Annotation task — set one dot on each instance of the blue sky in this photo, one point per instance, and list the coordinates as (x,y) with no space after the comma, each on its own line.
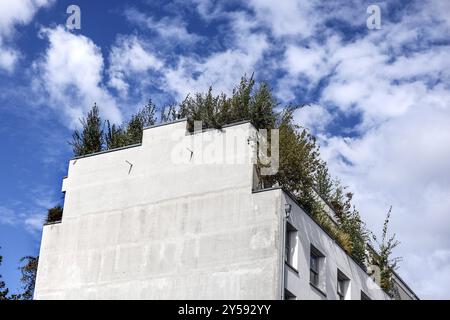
(380,101)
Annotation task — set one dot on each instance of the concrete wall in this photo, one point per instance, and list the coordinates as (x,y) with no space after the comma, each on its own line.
(148,222)
(155,222)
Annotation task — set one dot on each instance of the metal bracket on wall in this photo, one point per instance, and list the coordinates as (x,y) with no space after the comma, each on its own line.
(192,153)
(131,166)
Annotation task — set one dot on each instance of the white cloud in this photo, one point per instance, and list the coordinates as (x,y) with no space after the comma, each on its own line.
(7,216)
(8,58)
(366,80)
(127,58)
(305,65)
(169,29)
(313,117)
(436,266)
(18,12)
(221,69)
(13,13)
(33,223)
(30,213)
(285,18)
(189,73)
(307,61)
(71,74)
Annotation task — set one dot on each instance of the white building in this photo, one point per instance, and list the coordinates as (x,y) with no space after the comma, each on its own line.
(156,221)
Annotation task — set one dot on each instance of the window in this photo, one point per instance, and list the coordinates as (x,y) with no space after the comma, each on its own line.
(314,270)
(291,246)
(288,243)
(288,295)
(314,266)
(342,285)
(364,296)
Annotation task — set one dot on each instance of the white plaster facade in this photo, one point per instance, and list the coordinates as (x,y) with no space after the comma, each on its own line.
(152,222)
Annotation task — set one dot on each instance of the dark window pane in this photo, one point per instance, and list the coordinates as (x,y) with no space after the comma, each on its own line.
(364,296)
(340,286)
(314,278)
(314,263)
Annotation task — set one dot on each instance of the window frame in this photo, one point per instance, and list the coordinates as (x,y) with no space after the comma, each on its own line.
(365,296)
(314,272)
(314,267)
(289,247)
(289,295)
(342,285)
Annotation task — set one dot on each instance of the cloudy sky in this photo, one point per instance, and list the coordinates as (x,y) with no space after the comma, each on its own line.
(380,99)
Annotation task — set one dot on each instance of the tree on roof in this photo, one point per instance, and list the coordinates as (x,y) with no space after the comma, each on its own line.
(383,257)
(90,139)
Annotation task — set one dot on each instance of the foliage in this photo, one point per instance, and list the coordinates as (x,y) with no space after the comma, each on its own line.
(93,138)
(322,181)
(28,279)
(54,214)
(143,118)
(169,113)
(299,158)
(115,136)
(245,103)
(3,289)
(352,225)
(383,259)
(320,215)
(90,139)
(350,222)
